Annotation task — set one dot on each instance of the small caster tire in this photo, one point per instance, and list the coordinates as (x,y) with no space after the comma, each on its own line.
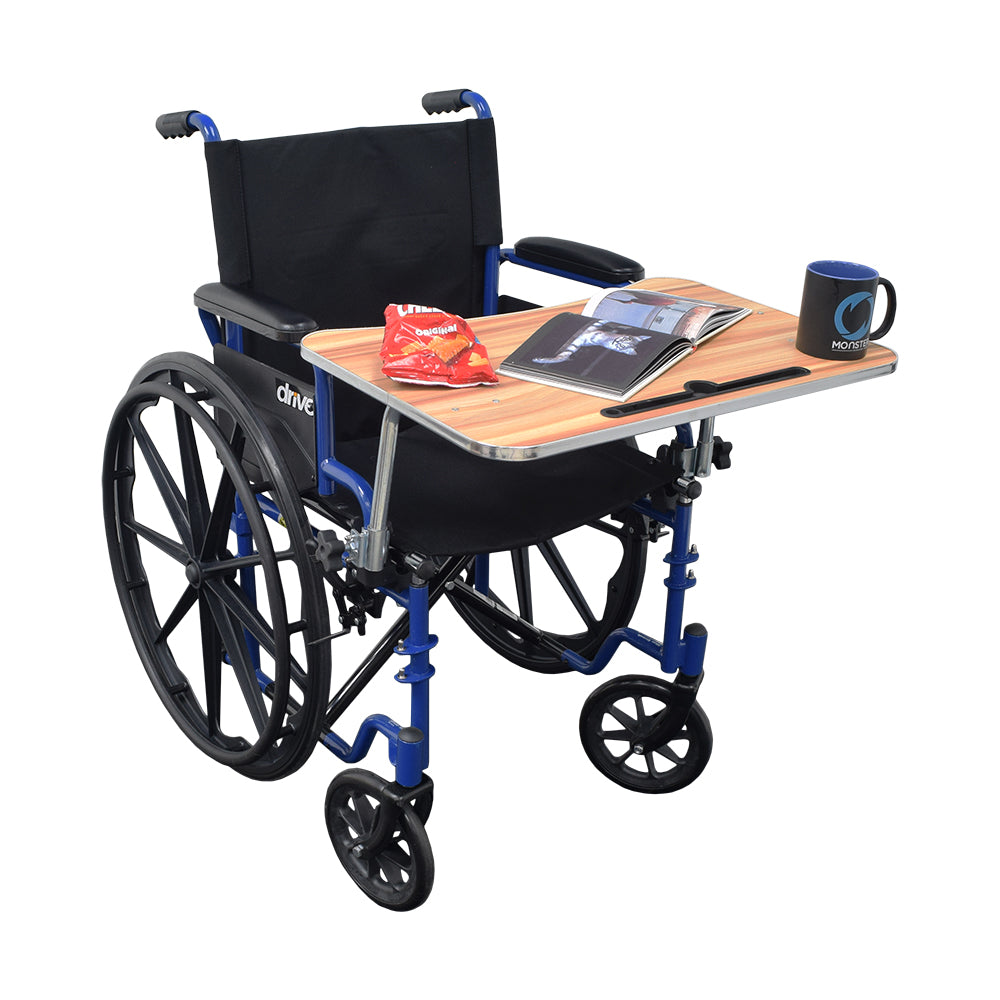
(615,716)
(400,875)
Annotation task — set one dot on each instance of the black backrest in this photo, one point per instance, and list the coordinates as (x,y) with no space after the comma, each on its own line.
(339,224)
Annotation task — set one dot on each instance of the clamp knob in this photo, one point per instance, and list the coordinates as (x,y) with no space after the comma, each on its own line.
(328,551)
(720,453)
(690,489)
(423,568)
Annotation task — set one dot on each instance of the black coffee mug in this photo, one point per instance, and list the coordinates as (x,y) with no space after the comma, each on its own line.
(838,303)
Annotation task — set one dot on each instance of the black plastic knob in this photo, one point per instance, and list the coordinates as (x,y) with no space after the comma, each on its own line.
(689,488)
(423,568)
(328,551)
(720,453)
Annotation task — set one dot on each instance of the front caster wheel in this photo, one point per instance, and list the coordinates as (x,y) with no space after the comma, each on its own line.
(615,719)
(395,869)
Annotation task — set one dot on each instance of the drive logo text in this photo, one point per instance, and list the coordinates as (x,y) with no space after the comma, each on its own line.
(293,397)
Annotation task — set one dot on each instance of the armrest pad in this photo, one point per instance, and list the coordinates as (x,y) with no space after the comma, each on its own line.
(579,258)
(255,312)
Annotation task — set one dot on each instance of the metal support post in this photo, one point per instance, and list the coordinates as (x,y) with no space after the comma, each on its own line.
(376,540)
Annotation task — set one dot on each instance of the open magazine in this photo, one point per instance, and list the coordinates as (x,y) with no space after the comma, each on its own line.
(624,339)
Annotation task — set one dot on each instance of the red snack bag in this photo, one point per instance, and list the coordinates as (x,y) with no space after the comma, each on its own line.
(432,347)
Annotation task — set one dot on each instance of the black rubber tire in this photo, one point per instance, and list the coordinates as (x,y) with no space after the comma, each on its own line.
(623,589)
(208,408)
(663,769)
(401,876)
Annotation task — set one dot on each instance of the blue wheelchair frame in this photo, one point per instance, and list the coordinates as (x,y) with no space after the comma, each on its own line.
(680,652)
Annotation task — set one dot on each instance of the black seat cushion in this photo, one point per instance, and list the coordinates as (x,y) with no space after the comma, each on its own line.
(447,501)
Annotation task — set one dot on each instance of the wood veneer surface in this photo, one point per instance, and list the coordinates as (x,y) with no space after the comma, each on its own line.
(515,416)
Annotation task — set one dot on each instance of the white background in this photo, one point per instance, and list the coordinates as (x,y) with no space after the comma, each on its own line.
(842,842)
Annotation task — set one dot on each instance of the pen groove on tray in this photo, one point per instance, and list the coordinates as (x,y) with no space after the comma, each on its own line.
(702,389)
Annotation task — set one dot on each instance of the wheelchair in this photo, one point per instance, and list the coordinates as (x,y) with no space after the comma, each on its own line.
(250,526)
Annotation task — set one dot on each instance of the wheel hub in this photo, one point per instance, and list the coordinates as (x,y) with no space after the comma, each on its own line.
(193,573)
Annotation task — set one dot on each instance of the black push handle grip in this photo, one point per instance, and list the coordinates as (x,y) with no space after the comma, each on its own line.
(443,101)
(175,125)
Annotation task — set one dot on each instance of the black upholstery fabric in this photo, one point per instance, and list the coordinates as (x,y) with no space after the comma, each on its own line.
(339,224)
(447,501)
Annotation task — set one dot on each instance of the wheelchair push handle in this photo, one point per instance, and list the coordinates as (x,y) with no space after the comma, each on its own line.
(174,125)
(180,124)
(442,101)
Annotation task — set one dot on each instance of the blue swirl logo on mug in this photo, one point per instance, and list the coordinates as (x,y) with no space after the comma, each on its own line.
(850,303)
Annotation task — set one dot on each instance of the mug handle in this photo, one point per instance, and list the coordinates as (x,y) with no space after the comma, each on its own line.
(890,310)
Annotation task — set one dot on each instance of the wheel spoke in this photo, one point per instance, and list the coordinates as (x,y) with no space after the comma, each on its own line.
(561,572)
(350,820)
(522,583)
(217,529)
(173,549)
(619,716)
(194,478)
(669,753)
(188,600)
(248,616)
(171,495)
(240,660)
(394,861)
(211,651)
(617,734)
(222,566)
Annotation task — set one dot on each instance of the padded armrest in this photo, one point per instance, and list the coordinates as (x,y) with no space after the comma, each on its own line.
(255,312)
(579,258)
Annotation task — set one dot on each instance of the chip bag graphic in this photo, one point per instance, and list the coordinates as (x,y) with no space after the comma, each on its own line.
(431,347)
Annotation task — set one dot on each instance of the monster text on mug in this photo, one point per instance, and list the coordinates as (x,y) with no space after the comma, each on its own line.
(838,305)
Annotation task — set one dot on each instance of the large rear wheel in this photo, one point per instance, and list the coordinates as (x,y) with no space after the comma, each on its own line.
(573,591)
(211,554)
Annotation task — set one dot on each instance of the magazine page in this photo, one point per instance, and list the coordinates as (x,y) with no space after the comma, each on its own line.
(593,355)
(689,318)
